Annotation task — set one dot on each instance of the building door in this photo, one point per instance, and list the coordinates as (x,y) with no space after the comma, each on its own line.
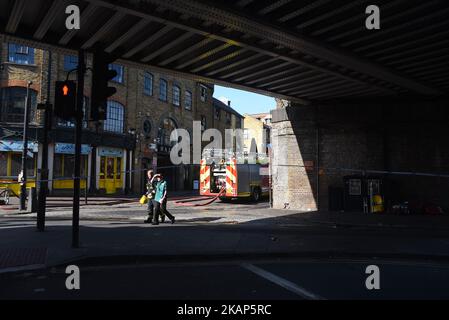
(111,176)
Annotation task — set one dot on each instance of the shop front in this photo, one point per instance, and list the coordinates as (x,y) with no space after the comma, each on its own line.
(64,166)
(11,164)
(111,164)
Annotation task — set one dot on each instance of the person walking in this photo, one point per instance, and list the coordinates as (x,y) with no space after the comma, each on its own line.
(151,190)
(160,200)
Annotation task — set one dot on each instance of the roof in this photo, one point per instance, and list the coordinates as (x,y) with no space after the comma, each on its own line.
(260,115)
(304,51)
(225,107)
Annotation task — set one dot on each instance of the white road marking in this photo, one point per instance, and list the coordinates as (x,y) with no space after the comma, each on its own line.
(282,282)
(39,290)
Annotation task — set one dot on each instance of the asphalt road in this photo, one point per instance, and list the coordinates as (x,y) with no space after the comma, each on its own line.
(238,280)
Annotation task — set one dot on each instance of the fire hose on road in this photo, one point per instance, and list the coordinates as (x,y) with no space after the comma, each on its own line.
(187,204)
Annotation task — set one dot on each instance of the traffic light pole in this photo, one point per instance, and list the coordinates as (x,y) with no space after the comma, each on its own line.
(78,136)
(43,179)
(23,182)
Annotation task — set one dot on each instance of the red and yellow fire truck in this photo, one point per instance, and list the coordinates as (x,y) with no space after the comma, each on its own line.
(228,175)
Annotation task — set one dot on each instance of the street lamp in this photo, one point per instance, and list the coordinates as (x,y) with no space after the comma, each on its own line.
(23,175)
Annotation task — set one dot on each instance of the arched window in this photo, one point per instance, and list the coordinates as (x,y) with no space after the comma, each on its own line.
(12,104)
(115,118)
(163,90)
(167,127)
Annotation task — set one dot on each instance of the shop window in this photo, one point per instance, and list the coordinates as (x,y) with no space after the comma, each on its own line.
(64,166)
(148,84)
(115,117)
(70,62)
(12,104)
(16,165)
(20,54)
(188,100)
(163,90)
(3,164)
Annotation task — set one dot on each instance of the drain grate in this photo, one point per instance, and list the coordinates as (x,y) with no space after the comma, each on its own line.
(11,258)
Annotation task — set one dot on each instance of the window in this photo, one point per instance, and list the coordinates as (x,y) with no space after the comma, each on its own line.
(70,63)
(12,104)
(168,126)
(239,124)
(188,100)
(203,92)
(115,120)
(20,54)
(120,73)
(355,187)
(147,128)
(246,134)
(217,113)
(228,118)
(176,96)
(16,165)
(148,84)
(64,166)
(162,90)
(203,123)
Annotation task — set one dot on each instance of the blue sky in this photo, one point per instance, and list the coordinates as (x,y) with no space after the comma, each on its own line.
(245,102)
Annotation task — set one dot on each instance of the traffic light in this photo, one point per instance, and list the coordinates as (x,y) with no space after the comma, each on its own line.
(100,85)
(65,100)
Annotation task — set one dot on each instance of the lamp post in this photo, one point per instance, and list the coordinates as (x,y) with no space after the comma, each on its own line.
(23,175)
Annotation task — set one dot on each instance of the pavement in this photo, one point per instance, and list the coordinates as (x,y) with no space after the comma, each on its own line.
(258,253)
(222,231)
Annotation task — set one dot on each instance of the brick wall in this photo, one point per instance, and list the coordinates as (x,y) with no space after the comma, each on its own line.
(404,137)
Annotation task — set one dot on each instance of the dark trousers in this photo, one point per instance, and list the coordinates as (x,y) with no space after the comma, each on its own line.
(150,209)
(161,210)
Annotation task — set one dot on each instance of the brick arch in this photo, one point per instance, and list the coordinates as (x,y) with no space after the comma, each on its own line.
(118,99)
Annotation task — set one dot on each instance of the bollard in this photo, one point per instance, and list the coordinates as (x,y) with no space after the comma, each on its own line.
(32,200)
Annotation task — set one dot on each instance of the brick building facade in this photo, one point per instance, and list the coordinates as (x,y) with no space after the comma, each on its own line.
(136,136)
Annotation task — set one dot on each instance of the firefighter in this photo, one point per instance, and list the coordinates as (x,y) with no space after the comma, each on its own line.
(160,200)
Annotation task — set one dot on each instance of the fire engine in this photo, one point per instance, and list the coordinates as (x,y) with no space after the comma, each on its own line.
(227,175)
